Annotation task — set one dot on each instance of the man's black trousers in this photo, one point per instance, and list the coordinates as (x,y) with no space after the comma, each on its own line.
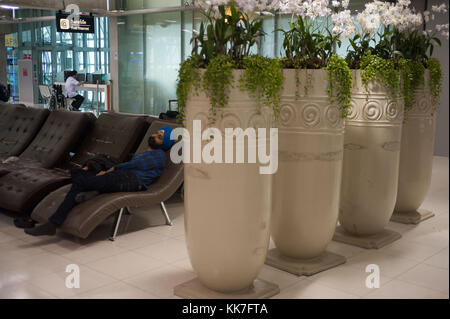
(85,181)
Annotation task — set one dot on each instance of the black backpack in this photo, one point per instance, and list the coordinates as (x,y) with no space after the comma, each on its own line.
(101,162)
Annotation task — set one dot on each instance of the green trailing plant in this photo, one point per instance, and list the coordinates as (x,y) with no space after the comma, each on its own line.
(360,44)
(232,33)
(217,81)
(223,44)
(339,83)
(412,73)
(188,75)
(307,44)
(263,79)
(306,47)
(413,45)
(384,70)
(435,80)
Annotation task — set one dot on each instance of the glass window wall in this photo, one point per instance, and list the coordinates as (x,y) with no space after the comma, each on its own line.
(56,52)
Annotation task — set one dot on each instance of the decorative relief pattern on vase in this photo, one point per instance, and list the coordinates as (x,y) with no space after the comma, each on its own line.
(288,156)
(353,112)
(375,112)
(288,115)
(422,106)
(203,117)
(196,172)
(392,111)
(230,120)
(311,116)
(393,146)
(353,147)
(333,116)
(372,111)
(257,120)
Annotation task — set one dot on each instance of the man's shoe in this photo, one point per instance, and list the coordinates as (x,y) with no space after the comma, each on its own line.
(24,222)
(44,229)
(84,196)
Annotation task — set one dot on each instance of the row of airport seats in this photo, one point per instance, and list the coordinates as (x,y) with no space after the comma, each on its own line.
(39,147)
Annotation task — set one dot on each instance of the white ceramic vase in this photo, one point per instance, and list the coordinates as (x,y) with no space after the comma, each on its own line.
(227,206)
(416,155)
(371,159)
(307,184)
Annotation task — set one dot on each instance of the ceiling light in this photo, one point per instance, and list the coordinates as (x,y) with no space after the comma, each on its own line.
(9,7)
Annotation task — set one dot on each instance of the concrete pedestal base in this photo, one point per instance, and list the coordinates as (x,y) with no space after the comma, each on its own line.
(303,267)
(413,217)
(194,289)
(369,242)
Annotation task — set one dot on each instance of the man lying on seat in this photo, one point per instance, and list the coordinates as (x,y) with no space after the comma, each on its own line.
(133,176)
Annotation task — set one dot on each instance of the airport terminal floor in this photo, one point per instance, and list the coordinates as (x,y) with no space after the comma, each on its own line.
(148,259)
(193,150)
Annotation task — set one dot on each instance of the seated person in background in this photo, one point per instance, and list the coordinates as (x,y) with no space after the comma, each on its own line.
(133,176)
(70,86)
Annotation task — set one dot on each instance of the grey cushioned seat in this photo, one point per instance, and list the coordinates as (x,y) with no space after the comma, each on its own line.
(85,217)
(18,126)
(25,181)
(58,135)
(113,134)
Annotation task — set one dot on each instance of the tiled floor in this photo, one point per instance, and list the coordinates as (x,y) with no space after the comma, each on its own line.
(149,259)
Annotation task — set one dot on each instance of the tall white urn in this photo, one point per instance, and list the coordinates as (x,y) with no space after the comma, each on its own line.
(308,181)
(227,205)
(371,166)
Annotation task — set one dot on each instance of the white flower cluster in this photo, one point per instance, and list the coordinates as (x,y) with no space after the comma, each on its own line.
(443,29)
(401,16)
(380,13)
(440,28)
(439,9)
(370,19)
(376,13)
(247,6)
(305,9)
(343,3)
(343,24)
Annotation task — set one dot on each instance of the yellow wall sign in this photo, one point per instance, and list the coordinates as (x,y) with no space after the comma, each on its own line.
(11,40)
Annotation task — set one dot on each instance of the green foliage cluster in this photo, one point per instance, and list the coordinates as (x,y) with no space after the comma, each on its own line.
(263,79)
(187,76)
(376,68)
(412,73)
(363,43)
(222,45)
(413,45)
(339,83)
(306,46)
(217,81)
(404,52)
(435,79)
(232,34)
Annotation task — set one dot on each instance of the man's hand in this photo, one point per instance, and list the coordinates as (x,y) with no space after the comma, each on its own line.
(103,172)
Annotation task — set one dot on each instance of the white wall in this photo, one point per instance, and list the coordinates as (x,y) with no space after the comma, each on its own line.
(442,133)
